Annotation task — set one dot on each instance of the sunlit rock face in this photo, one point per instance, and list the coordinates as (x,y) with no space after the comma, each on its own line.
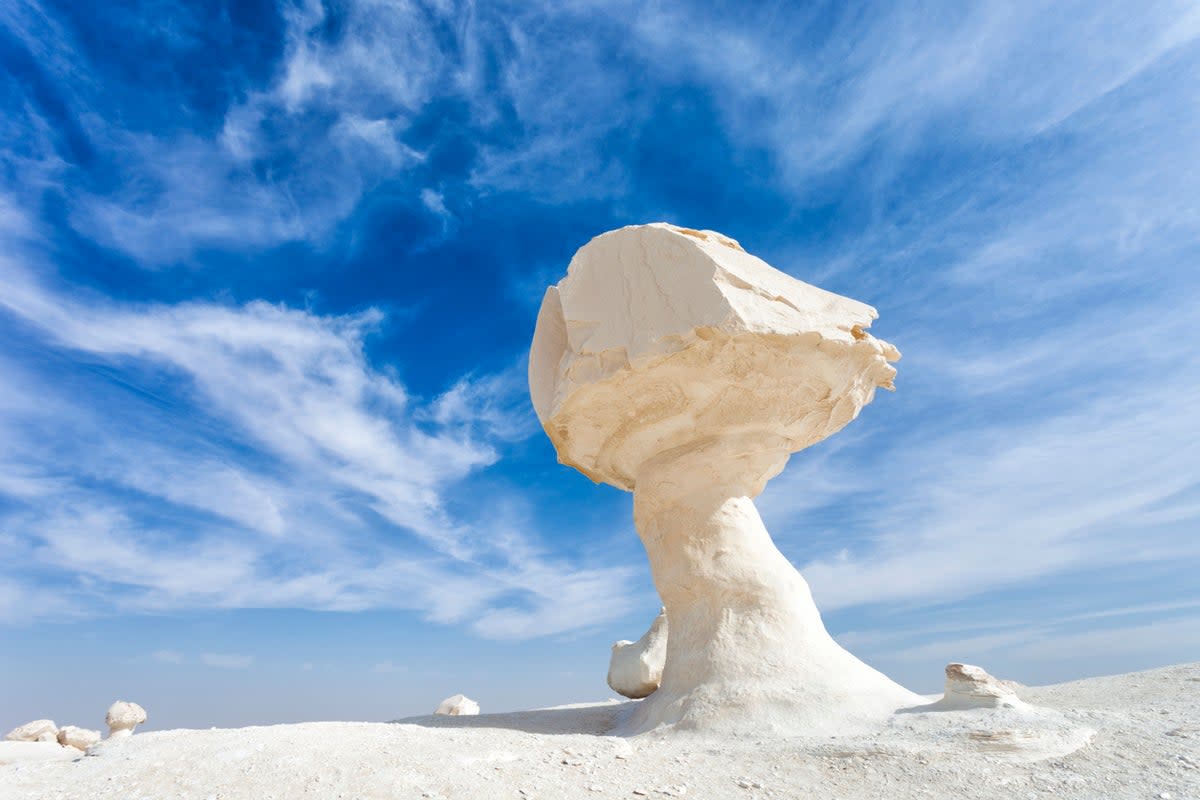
(671,363)
(969,686)
(660,336)
(40,730)
(635,668)
(79,738)
(122,717)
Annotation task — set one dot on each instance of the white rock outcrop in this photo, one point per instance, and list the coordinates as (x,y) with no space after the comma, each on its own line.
(635,668)
(79,738)
(986,715)
(671,363)
(458,705)
(40,730)
(969,686)
(123,717)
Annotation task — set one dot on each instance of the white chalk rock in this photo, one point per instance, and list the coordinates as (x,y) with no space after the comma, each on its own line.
(984,714)
(661,334)
(40,730)
(969,686)
(635,668)
(671,363)
(123,717)
(79,738)
(23,752)
(458,705)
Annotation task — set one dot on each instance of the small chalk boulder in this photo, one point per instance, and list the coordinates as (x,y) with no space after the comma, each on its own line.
(123,717)
(40,730)
(79,738)
(458,706)
(635,668)
(969,686)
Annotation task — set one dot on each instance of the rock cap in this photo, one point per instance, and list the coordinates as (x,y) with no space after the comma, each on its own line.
(123,716)
(661,336)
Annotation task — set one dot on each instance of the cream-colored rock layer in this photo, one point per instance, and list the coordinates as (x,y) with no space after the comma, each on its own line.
(40,730)
(635,668)
(671,363)
(969,686)
(659,335)
(79,738)
(122,717)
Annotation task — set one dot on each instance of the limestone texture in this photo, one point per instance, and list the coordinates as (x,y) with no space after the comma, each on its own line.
(79,738)
(123,716)
(635,668)
(40,730)
(969,686)
(671,363)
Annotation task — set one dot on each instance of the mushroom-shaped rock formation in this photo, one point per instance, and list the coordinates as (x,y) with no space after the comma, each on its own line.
(635,669)
(671,363)
(458,705)
(40,730)
(123,717)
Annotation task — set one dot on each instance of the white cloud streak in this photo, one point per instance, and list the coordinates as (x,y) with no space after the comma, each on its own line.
(168,657)
(250,456)
(227,660)
(1082,117)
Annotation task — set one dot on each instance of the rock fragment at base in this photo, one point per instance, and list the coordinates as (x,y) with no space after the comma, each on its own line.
(635,668)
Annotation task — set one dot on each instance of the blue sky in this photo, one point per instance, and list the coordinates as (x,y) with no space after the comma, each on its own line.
(269,272)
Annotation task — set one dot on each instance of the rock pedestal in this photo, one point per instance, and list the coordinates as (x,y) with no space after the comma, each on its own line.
(671,363)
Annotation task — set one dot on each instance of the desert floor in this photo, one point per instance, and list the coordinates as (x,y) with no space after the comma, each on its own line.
(1144,743)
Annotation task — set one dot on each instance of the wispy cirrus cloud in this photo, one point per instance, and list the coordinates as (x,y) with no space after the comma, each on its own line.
(346,108)
(891,80)
(204,455)
(168,656)
(227,660)
(1011,185)
(968,514)
(1028,230)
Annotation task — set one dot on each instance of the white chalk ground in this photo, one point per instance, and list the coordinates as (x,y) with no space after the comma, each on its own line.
(1146,744)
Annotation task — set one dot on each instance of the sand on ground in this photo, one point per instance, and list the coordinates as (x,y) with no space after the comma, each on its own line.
(1144,731)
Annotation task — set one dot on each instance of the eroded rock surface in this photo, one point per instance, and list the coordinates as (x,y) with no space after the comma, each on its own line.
(659,334)
(40,730)
(969,686)
(79,738)
(123,716)
(635,668)
(671,363)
